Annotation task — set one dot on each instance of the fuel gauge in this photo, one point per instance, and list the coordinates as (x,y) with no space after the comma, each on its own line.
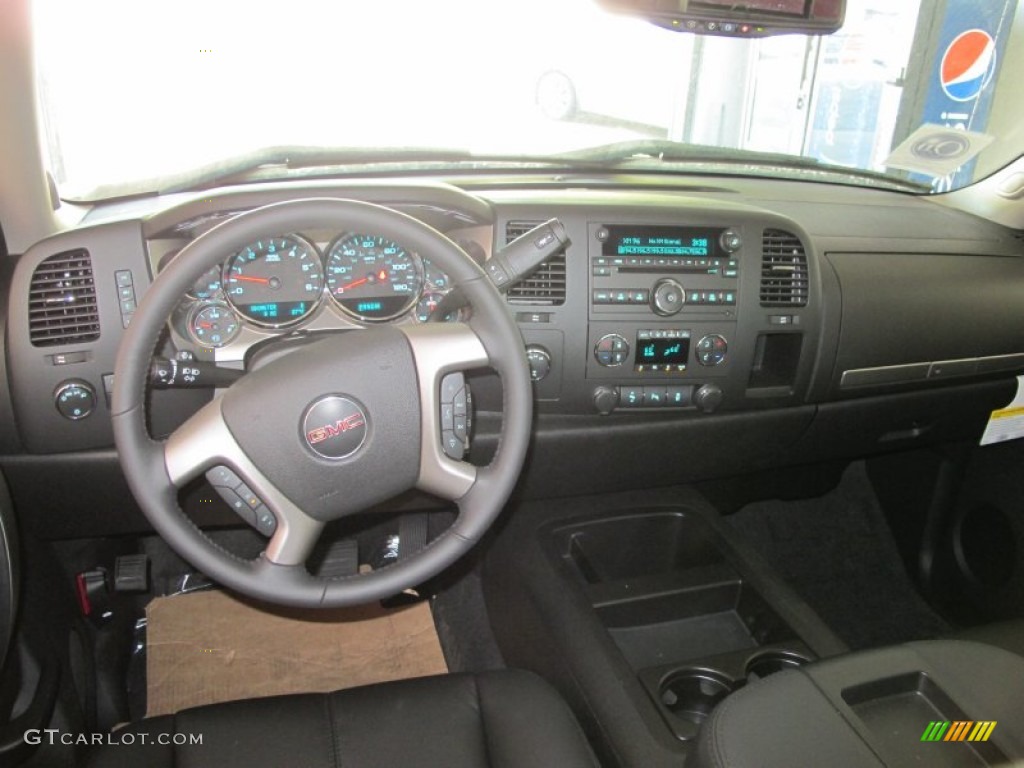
(213,325)
(428,303)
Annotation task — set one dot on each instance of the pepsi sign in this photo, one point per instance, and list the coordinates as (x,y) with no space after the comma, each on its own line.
(968,65)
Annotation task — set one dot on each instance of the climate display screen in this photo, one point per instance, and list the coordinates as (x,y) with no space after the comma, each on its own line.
(665,351)
(663,242)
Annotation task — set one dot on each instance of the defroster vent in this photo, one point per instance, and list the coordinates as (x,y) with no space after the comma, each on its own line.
(62,301)
(784,278)
(547,284)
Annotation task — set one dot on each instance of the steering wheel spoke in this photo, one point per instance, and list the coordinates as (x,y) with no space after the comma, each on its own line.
(439,350)
(205,443)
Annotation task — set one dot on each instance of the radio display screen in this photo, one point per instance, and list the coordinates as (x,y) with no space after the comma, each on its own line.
(665,351)
(664,242)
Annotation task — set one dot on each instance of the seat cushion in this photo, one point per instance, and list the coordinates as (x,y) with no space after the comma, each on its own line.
(503,719)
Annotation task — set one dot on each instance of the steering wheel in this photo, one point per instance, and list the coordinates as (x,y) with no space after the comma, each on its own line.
(332,428)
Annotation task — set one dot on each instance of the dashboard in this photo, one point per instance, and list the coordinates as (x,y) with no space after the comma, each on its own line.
(692,327)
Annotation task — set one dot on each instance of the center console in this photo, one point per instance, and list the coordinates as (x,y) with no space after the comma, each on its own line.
(662,311)
(675,644)
(646,612)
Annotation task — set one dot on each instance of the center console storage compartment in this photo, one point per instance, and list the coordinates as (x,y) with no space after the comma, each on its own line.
(646,610)
(676,602)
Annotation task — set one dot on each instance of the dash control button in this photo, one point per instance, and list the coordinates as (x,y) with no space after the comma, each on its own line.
(631,397)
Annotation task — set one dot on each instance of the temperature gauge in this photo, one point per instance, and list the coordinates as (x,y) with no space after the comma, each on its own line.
(428,303)
(213,325)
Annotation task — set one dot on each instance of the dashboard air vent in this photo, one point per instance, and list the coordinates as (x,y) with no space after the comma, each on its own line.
(547,284)
(62,301)
(784,279)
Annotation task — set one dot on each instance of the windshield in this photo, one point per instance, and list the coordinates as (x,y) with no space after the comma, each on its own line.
(136,96)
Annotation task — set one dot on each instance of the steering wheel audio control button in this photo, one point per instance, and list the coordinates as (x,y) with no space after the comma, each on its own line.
(455,416)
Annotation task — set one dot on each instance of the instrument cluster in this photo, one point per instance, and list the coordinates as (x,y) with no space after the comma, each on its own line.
(282,282)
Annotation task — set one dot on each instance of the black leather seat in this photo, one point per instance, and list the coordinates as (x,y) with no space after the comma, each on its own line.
(505,719)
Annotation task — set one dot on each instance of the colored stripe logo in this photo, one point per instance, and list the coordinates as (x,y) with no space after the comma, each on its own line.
(968,65)
(959,730)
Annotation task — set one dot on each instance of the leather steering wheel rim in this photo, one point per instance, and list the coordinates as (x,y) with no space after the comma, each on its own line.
(156,470)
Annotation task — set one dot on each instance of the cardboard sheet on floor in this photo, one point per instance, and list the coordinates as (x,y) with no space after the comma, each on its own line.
(210,646)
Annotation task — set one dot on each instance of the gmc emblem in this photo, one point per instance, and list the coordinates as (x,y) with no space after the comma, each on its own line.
(339,427)
(334,427)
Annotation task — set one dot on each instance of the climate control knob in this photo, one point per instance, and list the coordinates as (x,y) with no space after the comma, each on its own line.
(667,297)
(611,351)
(712,349)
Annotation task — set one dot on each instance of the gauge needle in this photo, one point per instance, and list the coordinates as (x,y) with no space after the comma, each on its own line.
(353,284)
(246,278)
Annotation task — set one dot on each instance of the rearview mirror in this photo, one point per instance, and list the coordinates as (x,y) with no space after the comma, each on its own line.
(737,18)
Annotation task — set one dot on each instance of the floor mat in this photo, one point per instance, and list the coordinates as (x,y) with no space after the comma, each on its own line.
(209,646)
(837,552)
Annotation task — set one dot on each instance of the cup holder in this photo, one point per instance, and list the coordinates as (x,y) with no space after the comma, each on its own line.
(770,662)
(691,695)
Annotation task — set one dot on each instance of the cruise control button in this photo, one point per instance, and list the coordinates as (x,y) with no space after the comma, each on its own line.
(222,477)
(237,503)
(265,523)
(248,496)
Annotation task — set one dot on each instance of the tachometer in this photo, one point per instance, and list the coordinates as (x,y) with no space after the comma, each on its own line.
(373,278)
(275,282)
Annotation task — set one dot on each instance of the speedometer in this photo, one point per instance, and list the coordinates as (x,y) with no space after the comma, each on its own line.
(275,282)
(373,278)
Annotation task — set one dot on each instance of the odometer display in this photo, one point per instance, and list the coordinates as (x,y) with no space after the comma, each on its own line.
(276,281)
(373,278)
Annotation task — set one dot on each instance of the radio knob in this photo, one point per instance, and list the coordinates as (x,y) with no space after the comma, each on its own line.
(731,241)
(667,297)
(605,399)
(708,397)
(539,360)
